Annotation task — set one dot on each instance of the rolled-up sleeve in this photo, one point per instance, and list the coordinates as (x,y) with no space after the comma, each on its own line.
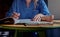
(43,8)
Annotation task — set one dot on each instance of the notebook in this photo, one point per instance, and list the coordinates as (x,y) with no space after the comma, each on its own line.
(29,22)
(22,21)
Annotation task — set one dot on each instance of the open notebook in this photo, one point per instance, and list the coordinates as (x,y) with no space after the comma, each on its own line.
(22,21)
(29,22)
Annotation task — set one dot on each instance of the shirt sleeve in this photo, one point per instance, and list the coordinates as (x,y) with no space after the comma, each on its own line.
(43,8)
(14,8)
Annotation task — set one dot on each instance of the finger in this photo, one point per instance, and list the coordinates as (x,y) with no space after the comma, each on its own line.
(16,14)
(38,19)
(35,18)
(15,17)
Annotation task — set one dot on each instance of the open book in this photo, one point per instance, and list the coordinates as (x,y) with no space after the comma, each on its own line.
(30,22)
(20,21)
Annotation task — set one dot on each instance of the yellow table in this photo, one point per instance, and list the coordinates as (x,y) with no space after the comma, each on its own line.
(39,28)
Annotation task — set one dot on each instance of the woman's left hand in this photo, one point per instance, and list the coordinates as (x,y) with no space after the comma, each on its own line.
(38,17)
(41,17)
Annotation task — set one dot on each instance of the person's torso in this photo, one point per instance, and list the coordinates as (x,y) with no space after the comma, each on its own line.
(25,12)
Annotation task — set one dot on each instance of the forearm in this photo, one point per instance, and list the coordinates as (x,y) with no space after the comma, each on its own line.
(47,18)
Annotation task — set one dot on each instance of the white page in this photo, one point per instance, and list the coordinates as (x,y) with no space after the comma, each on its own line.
(28,21)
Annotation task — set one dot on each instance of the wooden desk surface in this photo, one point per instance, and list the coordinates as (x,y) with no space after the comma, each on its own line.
(30,28)
(54,25)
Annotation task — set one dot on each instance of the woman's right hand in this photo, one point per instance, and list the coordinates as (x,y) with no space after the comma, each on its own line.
(15,15)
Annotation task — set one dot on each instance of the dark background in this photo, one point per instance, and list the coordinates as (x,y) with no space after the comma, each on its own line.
(5,5)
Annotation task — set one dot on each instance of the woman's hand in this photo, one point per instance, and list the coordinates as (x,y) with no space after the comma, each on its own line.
(38,17)
(41,17)
(15,15)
